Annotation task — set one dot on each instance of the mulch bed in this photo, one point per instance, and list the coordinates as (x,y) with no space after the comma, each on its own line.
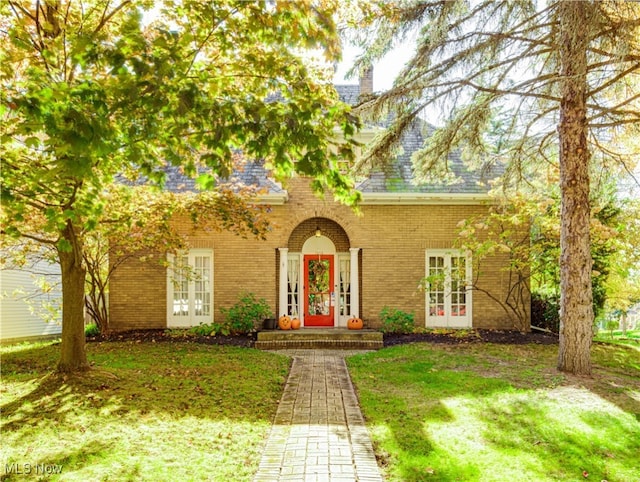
(475,336)
(160,336)
(390,339)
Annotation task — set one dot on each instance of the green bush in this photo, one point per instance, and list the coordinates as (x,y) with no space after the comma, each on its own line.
(545,311)
(177,332)
(242,318)
(211,329)
(203,329)
(396,321)
(246,315)
(91,330)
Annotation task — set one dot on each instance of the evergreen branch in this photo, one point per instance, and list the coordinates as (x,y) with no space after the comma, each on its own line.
(496,91)
(616,123)
(610,55)
(616,108)
(622,74)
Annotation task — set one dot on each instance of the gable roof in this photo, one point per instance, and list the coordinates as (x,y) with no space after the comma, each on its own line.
(396,181)
(252,174)
(400,177)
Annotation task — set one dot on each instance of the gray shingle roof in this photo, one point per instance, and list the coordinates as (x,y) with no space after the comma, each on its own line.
(349,94)
(252,174)
(398,176)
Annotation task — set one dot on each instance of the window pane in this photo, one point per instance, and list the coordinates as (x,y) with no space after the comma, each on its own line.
(191,284)
(319,276)
(293,285)
(345,287)
(436,274)
(202,286)
(180,286)
(447,285)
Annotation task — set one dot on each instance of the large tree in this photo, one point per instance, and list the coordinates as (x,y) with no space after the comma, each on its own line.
(95,89)
(519,81)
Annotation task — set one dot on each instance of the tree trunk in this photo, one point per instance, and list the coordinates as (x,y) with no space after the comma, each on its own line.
(73,356)
(623,323)
(576,304)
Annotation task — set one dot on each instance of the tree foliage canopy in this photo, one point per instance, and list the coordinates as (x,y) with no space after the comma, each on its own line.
(91,91)
(491,70)
(101,88)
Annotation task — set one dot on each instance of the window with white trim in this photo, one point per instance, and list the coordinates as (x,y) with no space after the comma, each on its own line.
(344,285)
(190,288)
(448,288)
(293,285)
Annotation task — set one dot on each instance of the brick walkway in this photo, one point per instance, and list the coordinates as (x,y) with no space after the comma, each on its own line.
(318,432)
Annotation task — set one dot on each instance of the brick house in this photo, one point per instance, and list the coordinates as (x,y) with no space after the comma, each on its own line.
(325,263)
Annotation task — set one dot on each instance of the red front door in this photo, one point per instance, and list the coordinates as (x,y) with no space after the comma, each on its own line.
(318,290)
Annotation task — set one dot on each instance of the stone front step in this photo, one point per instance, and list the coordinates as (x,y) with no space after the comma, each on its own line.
(319,338)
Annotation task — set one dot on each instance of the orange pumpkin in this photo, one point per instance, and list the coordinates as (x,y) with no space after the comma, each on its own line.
(295,324)
(284,322)
(355,323)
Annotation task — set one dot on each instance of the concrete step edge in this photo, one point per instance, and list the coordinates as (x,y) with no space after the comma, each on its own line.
(318,344)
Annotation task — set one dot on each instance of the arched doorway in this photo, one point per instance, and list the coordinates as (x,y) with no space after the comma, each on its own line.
(319,279)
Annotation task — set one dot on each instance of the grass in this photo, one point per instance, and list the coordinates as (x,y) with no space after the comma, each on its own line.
(483,412)
(166,411)
(183,411)
(631,337)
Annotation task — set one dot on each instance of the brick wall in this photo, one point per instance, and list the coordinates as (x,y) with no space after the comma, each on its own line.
(393,240)
(138,294)
(307,229)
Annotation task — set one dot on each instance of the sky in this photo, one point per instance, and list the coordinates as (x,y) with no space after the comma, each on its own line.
(384,71)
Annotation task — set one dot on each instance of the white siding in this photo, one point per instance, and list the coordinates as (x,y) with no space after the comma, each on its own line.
(19,290)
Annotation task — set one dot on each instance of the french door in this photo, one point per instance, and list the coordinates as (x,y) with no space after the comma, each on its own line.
(319,297)
(449,294)
(190,288)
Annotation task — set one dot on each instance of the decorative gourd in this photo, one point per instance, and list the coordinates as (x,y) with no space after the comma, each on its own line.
(295,324)
(284,322)
(355,323)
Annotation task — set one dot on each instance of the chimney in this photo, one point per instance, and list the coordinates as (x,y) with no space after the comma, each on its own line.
(366,81)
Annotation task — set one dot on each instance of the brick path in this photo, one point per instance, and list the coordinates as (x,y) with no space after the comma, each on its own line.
(318,432)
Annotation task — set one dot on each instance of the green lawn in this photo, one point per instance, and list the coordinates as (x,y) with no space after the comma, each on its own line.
(183,411)
(631,337)
(165,411)
(476,412)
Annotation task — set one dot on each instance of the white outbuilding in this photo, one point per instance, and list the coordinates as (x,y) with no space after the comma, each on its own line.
(30,299)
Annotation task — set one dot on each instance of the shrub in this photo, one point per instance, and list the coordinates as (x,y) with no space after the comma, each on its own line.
(246,315)
(177,332)
(91,330)
(242,318)
(203,329)
(545,312)
(396,321)
(210,329)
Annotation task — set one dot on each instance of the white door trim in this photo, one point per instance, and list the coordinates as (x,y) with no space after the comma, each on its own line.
(191,318)
(448,318)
